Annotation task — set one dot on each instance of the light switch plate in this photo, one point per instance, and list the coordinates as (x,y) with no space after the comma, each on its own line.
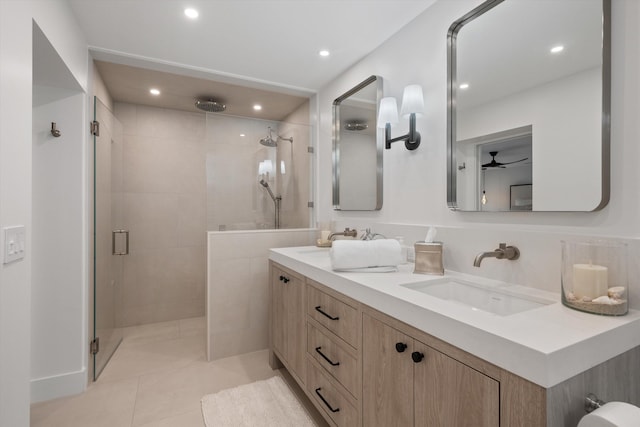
(13,243)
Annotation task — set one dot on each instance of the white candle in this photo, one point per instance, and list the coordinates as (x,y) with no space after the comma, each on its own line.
(590,280)
(324,235)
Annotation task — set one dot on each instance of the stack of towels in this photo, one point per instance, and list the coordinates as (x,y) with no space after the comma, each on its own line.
(366,255)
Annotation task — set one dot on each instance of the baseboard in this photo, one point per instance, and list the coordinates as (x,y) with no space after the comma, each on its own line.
(58,386)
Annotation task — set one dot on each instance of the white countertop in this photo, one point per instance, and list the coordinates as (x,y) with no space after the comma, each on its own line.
(545,345)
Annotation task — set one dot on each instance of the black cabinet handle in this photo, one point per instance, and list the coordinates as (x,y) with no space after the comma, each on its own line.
(319,309)
(326,358)
(325,402)
(401,347)
(284,279)
(417,356)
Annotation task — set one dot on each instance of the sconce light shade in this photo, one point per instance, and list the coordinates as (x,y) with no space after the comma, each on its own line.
(412,101)
(388,112)
(268,166)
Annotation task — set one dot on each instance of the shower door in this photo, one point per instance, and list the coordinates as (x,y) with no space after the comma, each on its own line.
(110,241)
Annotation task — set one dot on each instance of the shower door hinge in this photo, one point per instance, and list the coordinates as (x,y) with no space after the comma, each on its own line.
(95,345)
(95,128)
(309,204)
(310,150)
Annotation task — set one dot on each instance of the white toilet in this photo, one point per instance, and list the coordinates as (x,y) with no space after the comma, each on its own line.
(612,414)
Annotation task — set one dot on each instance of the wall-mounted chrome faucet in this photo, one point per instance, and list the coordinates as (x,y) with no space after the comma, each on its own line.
(347,232)
(503,252)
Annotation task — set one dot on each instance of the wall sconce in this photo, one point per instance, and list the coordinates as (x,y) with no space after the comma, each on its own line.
(412,106)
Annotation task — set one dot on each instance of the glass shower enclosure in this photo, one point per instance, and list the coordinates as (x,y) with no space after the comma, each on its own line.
(110,240)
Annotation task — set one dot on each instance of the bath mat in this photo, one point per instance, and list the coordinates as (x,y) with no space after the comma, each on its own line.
(263,403)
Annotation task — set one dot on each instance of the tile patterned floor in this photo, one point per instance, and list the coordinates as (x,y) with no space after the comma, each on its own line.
(156,379)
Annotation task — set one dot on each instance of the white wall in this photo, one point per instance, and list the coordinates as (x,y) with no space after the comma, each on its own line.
(58,285)
(16,20)
(415,182)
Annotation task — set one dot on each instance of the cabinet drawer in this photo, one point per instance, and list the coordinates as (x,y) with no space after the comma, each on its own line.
(326,396)
(335,315)
(337,361)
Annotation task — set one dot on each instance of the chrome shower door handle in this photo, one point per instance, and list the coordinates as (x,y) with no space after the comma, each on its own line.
(113,242)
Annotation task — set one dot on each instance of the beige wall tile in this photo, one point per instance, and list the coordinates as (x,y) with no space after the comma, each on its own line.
(165,212)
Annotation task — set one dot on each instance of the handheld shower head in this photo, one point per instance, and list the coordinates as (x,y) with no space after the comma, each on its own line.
(265,184)
(276,201)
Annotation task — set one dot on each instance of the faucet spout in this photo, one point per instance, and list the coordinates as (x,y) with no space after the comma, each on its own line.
(493,254)
(503,252)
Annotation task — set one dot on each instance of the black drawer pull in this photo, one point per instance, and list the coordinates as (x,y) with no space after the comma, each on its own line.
(319,309)
(325,402)
(326,358)
(417,356)
(401,347)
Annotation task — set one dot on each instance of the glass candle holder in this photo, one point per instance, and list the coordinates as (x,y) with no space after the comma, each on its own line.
(594,277)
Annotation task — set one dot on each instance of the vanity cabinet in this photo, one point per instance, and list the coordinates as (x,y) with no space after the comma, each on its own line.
(288,326)
(361,367)
(417,385)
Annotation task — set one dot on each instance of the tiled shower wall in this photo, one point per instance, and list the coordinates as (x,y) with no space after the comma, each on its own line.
(164,201)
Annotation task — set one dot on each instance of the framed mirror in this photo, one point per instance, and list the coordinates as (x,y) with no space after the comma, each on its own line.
(529,106)
(357,148)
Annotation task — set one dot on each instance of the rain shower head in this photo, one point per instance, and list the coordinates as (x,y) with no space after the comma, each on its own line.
(268,141)
(210,106)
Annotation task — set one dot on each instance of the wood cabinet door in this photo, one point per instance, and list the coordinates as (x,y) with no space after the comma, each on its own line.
(278,312)
(387,392)
(296,326)
(449,393)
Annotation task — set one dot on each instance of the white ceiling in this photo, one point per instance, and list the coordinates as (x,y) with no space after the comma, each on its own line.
(268,44)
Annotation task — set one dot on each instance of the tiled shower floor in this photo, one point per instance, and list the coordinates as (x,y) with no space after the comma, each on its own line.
(156,378)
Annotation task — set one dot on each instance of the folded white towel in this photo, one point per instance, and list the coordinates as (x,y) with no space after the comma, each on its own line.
(350,254)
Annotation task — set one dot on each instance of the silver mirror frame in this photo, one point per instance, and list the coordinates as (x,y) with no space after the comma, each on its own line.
(452,35)
(377,80)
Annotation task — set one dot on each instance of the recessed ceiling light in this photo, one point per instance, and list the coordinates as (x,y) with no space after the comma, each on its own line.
(242,135)
(464,86)
(324,52)
(154,91)
(191,13)
(257,107)
(557,49)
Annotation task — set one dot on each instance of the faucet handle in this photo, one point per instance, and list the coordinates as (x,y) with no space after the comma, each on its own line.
(509,252)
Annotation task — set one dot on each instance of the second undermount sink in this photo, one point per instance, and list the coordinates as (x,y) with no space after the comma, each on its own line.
(491,299)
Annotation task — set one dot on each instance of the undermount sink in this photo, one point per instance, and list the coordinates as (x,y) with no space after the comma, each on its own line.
(478,297)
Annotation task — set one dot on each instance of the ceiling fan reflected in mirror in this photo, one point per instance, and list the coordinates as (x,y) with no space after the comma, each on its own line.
(495,164)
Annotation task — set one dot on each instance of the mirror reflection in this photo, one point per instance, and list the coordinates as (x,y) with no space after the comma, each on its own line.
(357,148)
(529,106)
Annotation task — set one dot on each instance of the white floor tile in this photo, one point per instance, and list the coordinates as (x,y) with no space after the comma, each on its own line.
(156,379)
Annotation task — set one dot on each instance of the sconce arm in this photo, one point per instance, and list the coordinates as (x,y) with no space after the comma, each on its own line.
(411,139)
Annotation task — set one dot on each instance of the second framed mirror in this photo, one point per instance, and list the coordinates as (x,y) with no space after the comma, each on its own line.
(357,148)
